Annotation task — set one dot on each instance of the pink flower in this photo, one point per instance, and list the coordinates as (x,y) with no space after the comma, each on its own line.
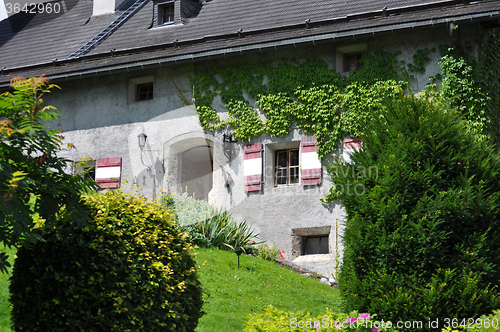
(316,325)
(337,325)
(364,316)
(351,319)
(374,329)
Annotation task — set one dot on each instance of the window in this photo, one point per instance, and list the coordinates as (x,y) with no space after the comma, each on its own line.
(287,167)
(311,241)
(351,61)
(85,167)
(144,91)
(89,171)
(348,57)
(316,245)
(166,13)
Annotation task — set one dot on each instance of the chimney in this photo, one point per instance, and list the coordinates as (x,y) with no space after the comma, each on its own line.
(102,7)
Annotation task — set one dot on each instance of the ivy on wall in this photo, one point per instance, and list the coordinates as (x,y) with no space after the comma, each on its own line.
(309,96)
(303,95)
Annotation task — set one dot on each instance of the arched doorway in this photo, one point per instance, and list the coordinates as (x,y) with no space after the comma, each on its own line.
(196,171)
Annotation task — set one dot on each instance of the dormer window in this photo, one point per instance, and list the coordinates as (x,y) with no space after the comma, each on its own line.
(166,13)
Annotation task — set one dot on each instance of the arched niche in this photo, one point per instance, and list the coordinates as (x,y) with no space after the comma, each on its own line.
(191,165)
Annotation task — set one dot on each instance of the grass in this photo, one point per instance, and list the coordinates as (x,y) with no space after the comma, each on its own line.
(232,294)
(4,293)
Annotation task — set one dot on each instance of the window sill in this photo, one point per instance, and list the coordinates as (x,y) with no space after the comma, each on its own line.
(167,25)
(287,185)
(313,258)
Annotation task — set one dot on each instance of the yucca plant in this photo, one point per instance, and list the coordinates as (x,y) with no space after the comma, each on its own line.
(222,231)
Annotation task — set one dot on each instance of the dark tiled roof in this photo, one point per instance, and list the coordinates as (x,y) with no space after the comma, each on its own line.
(215,27)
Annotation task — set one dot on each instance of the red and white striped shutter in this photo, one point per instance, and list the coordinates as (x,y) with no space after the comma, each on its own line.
(350,145)
(310,162)
(108,171)
(252,167)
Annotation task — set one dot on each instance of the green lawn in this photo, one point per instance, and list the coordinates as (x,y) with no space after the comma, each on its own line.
(4,294)
(232,294)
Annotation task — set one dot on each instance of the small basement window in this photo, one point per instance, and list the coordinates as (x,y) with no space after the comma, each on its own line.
(287,167)
(351,61)
(144,91)
(316,245)
(166,13)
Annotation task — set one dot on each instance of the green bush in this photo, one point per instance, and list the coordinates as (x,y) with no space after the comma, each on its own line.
(196,235)
(273,319)
(423,218)
(130,269)
(188,210)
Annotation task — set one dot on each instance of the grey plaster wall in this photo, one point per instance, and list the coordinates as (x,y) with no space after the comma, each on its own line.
(109,100)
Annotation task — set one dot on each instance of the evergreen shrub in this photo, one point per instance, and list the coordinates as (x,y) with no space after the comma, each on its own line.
(423,217)
(130,269)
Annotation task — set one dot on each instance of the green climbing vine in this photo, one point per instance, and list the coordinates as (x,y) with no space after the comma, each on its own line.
(304,95)
(309,96)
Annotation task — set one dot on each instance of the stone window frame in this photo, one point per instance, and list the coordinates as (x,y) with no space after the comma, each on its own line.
(299,236)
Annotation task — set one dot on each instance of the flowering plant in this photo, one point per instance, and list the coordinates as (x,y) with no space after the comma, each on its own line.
(269,253)
(273,319)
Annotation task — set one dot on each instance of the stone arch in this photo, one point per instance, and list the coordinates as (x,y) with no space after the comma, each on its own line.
(192,165)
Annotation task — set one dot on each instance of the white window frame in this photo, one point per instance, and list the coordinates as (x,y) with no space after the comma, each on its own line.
(288,167)
(161,17)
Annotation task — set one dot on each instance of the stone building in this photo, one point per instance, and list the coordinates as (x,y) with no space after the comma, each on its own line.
(121,65)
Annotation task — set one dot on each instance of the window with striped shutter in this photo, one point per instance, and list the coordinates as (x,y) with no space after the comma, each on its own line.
(108,172)
(349,146)
(310,162)
(253,167)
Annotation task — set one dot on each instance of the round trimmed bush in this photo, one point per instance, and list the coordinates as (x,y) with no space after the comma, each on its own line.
(130,269)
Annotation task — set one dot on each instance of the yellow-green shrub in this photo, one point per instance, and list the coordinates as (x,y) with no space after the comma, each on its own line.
(273,319)
(130,269)
(490,323)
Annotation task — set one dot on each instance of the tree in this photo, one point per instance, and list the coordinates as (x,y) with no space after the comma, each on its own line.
(423,217)
(32,176)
